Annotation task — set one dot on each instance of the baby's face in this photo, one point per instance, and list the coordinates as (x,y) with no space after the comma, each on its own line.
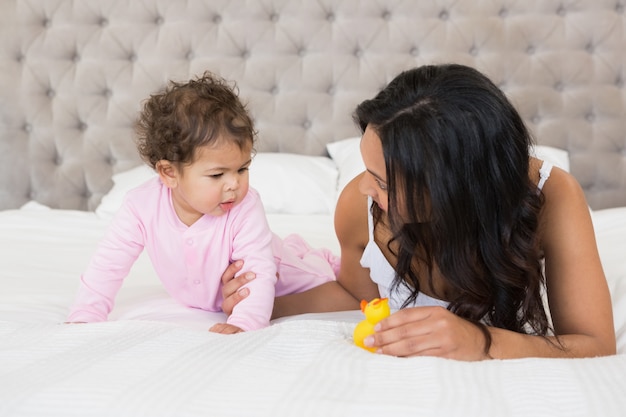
(215,182)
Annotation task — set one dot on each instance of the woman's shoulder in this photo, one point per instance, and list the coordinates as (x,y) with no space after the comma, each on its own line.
(351,214)
(351,199)
(565,206)
(560,187)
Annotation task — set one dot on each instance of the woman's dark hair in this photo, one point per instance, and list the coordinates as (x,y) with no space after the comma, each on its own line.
(460,197)
(184,116)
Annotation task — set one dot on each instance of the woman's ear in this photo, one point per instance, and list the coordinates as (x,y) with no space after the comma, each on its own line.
(167,172)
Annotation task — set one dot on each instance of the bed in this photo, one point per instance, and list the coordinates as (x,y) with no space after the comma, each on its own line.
(72,77)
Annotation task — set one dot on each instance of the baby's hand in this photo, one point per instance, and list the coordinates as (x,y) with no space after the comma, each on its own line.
(225,328)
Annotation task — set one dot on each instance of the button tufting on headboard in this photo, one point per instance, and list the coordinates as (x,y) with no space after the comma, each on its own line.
(73,75)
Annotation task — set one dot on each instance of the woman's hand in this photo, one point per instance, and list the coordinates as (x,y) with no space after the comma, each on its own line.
(232,293)
(428,331)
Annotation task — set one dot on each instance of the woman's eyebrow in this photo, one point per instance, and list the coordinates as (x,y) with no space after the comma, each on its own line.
(377,176)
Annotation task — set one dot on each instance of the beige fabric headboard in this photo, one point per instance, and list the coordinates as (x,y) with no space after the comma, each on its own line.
(73,75)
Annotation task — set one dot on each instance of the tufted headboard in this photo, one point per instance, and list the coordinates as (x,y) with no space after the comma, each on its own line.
(73,74)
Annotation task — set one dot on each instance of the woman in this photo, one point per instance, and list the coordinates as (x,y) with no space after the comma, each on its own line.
(454,222)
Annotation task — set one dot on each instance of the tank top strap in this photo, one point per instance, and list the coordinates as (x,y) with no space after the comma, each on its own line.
(544,174)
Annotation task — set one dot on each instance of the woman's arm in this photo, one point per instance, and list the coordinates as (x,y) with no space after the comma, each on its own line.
(578,294)
(353,282)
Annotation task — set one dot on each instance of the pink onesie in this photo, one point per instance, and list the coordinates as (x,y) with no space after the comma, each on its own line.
(190,261)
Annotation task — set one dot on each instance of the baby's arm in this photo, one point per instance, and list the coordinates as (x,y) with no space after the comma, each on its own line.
(252,243)
(105,273)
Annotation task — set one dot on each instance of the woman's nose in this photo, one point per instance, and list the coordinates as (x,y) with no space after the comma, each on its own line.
(365,186)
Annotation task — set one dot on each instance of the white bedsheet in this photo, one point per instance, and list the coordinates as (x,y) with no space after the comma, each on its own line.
(156,358)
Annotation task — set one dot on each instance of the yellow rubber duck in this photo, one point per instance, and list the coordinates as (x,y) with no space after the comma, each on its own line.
(374,311)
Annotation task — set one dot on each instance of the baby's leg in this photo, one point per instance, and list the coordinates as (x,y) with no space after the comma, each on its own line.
(300,267)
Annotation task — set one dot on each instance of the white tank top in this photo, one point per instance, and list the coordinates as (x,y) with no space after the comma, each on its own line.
(383,274)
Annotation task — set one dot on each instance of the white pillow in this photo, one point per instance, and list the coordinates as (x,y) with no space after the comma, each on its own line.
(295,184)
(347,156)
(122,183)
(287,183)
(558,157)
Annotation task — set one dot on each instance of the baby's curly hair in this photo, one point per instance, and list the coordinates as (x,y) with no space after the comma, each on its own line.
(185,116)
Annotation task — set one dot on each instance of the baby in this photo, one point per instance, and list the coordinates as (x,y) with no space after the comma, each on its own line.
(199,214)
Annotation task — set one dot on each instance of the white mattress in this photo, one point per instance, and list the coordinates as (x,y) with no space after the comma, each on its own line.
(156,358)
